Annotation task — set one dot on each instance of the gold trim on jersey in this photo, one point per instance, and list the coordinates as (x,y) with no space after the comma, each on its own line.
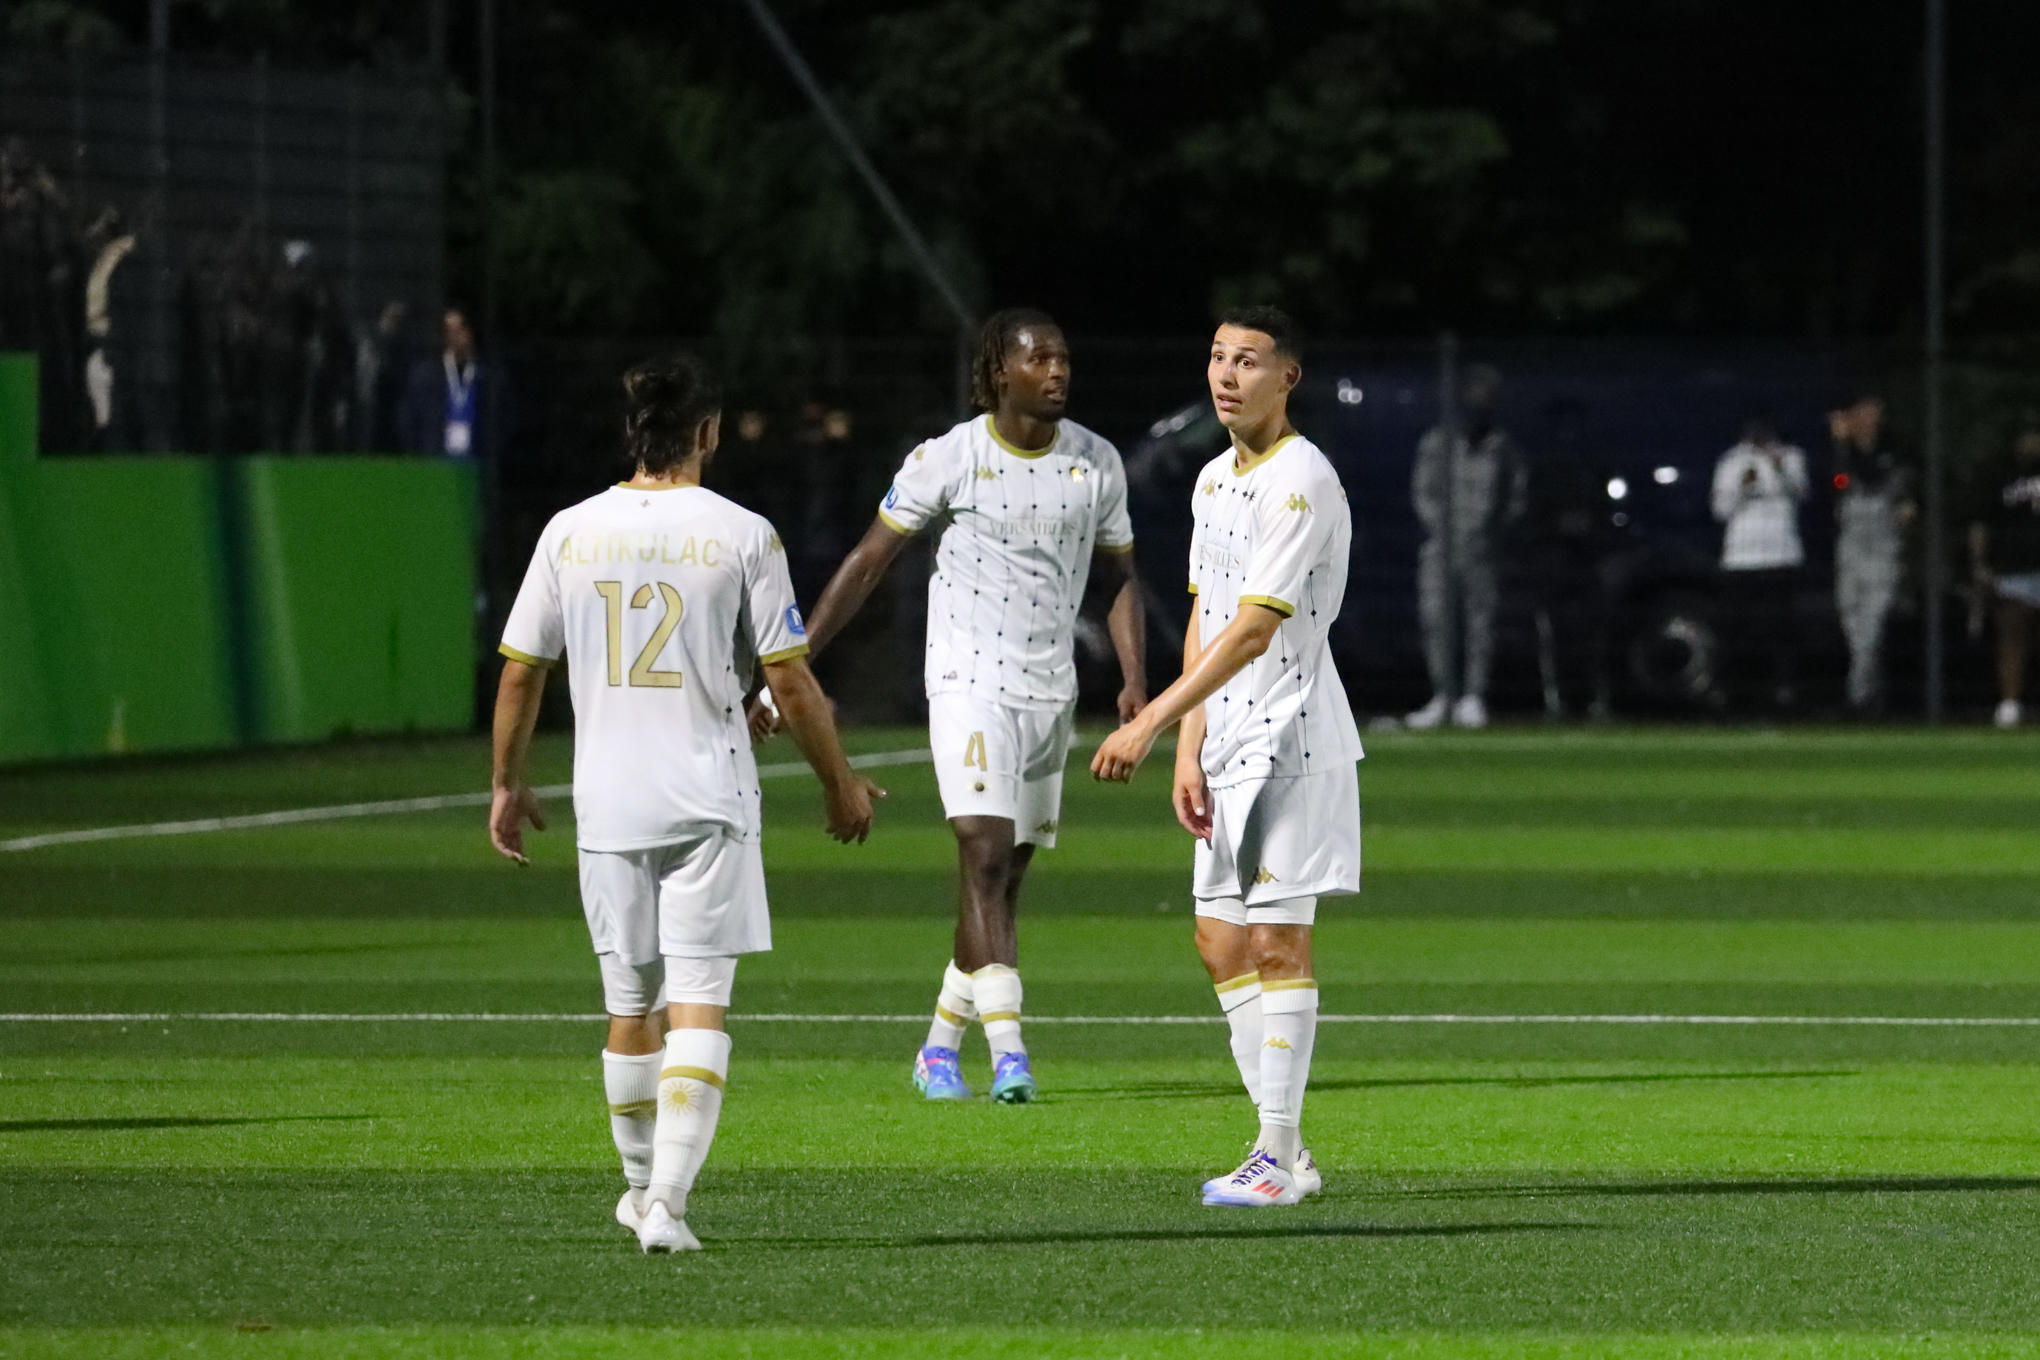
(889,522)
(1282,607)
(992,428)
(1193,587)
(526,657)
(1241,470)
(1115,547)
(784,654)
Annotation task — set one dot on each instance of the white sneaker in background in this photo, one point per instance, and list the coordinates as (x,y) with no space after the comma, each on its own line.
(1430,715)
(1470,711)
(2009,714)
(1308,1181)
(1259,1184)
(660,1231)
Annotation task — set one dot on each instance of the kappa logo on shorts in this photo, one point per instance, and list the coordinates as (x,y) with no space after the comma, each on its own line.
(1047,828)
(1266,876)
(1275,1041)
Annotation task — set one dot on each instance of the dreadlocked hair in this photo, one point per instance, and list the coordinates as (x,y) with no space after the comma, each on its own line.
(666,400)
(999,332)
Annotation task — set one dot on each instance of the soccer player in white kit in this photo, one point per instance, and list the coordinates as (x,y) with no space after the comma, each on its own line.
(1266,775)
(1024,505)
(661,595)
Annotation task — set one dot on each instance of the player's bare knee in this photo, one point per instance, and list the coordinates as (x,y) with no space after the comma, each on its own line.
(1224,949)
(1281,951)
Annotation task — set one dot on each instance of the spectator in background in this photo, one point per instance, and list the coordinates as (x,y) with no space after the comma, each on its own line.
(382,366)
(1469,488)
(1569,550)
(2004,557)
(455,404)
(1873,509)
(1758,486)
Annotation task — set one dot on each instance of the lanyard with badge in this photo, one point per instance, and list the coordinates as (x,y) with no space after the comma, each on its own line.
(460,408)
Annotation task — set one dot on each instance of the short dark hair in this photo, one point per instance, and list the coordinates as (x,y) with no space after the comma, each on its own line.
(666,399)
(1001,328)
(1272,322)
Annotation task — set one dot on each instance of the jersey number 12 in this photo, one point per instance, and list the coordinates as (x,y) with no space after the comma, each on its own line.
(641,672)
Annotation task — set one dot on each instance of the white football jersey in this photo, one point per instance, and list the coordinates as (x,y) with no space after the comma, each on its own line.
(1277,534)
(660,600)
(1014,534)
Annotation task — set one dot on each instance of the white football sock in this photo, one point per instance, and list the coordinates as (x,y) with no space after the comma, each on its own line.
(954,1008)
(997,989)
(1240,999)
(1289,1008)
(631,1081)
(695,1067)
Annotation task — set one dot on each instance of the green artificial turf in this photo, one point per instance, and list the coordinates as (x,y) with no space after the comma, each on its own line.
(442,1188)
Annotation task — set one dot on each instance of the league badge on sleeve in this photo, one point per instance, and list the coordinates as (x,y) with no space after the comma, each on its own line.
(892,497)
(793,621)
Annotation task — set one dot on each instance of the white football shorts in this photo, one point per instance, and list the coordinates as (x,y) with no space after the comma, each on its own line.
(996,761)
(1275,840)
(695,899)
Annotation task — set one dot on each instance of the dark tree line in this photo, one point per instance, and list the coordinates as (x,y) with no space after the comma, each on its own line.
(1382,166)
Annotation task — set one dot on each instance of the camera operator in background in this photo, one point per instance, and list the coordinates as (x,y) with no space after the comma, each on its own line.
(2004,557)
(1758,487)
(1874,507)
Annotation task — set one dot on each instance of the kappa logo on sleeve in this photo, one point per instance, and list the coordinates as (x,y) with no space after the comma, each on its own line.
(1297,502)
(793,621)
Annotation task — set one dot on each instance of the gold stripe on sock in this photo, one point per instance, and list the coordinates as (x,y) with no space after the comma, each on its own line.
(989,1016)
(1288,984)
(1234,984)
(944,1013)
(693,1074)
(636,1107)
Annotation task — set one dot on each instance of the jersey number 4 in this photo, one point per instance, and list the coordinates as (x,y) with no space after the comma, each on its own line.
(641,672)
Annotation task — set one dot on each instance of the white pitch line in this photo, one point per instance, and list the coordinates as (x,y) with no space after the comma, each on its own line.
(340,811)
(557,1017)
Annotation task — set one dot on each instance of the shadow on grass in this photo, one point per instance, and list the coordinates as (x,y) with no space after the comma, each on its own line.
(1078,1236)
(166,1122)
(1835,1185)
(1178,1090)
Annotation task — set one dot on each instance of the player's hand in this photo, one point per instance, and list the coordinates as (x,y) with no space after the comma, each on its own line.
(1132,700)
(1122,753)
(509,810)
(1192,800)
(850,810)
(763,717)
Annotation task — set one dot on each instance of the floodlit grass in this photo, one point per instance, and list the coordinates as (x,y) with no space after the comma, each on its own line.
(280,1189)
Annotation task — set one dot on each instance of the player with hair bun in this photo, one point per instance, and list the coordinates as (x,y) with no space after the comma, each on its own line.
(662,596)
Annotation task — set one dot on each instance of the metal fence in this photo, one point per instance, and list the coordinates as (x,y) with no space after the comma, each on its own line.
(1603,557)
(214,259)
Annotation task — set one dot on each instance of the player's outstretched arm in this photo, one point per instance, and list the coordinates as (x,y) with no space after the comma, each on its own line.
(845,594)
(1116,580)
(1231,652)
(853,583)
(1190,795)
(512,803)
(847,795)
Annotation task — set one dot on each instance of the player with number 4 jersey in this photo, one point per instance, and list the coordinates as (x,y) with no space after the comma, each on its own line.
(1024,507)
